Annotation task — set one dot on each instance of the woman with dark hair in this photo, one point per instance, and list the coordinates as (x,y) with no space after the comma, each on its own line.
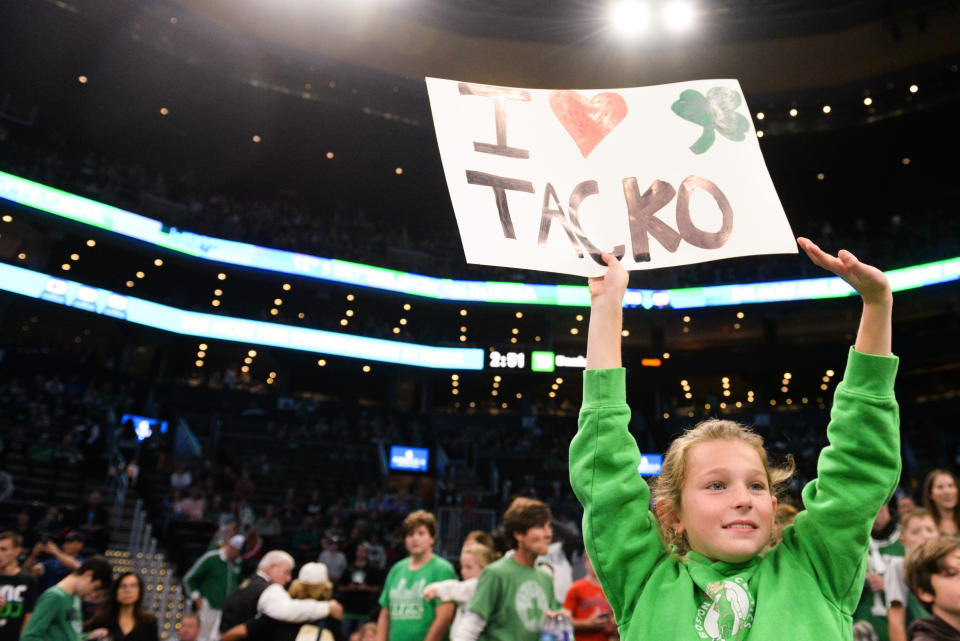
(122,616)
(940,494)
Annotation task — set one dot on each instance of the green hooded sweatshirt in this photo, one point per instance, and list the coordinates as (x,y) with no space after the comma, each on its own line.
(805,589)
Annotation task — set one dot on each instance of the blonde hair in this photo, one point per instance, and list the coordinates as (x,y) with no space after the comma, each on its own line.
(316,591)
(483,555)
(669,487)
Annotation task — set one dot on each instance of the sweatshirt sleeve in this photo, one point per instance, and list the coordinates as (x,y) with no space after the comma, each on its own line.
(619,531)
(191,580)
(276,603)
(453,590)
(40,623)
(856,473)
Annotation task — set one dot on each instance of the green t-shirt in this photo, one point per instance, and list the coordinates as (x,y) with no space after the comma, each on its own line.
(513,599)
(56,617)
(410,614)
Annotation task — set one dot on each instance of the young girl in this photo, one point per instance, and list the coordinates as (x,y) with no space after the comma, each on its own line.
(473,558)
(716,496)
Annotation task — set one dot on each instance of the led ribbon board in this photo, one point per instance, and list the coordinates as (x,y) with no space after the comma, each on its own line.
(118,221)
(211,326)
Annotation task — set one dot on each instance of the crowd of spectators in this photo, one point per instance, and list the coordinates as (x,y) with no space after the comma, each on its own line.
(429,242)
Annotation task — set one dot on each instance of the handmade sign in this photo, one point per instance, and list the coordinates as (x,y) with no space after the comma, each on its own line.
(658,176)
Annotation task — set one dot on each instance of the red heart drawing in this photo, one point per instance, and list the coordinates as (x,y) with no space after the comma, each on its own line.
(588,121)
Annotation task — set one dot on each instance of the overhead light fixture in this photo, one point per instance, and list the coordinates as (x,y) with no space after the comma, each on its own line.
(678,15)
(630,17)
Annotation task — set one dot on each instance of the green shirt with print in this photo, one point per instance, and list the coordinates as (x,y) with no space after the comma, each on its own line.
(56,617)
(410,614)
(513,599)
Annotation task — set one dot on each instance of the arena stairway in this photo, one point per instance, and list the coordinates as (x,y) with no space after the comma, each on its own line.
(134,549)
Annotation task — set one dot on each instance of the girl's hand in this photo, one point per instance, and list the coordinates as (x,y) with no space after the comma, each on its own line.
(611,286)
(870,282)
(430,593)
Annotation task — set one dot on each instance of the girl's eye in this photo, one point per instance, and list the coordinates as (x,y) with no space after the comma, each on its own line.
(716,485)
(758,486)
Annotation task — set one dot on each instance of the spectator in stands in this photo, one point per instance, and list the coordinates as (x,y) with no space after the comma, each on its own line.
(223,535)
(194,506)
(333,558)
(122,614)
(208,582)
(916,527)
(28,536)
(480,537)
(93,521)
(57,615)
(244,514)
(181,478)
(61,562)
(244,486)
(18,589)
(358,589)
(313,584)
(253,546)
(491,614)
(940,496)
(50,526)
(305,539)
(473,559)
(404,614)
(314,506)
(269,524)
(189,628)
(264,594)
(376,552)
(289,511)
(592,614)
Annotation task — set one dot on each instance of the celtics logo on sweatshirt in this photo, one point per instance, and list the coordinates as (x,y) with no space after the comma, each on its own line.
(727,610)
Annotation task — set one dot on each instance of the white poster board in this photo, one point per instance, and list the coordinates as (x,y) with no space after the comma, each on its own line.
(665,175)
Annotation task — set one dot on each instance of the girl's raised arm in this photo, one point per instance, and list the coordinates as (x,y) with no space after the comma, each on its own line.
(860,468)
(619,531)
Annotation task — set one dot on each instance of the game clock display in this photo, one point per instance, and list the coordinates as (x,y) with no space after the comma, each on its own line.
(508,360)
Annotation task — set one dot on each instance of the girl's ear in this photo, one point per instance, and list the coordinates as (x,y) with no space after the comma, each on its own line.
(669,516)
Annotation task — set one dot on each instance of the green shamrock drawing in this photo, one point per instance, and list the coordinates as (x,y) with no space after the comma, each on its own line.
(714,112)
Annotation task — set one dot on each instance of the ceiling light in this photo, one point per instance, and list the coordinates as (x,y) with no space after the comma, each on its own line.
(793,113)
(221,276)
(130,283)
(82,80)
(759,133)
(574,331)
(202,346)
(329,155)
(666,355)
(278,301)
(245,369)
(678,15)
(519,314)
(366,368)
(349,312)
(274,311)
(463,312)
(140,274)
(158,262)
(398,171)
(91,243)
(286,287)
(164,111)
(350,297)
(65,267)
(827,109)
(218,292)
(914,88)
(406,307)
(252,353)
(868,101)
(256,138)
(630,17)
(760,115)
(322,363)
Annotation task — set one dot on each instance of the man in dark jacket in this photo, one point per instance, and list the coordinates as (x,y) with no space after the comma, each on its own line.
(264,593)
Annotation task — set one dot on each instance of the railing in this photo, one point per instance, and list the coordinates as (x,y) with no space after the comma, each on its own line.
(454,523)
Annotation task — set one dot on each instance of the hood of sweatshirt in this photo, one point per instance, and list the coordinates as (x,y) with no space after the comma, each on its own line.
(933,628)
